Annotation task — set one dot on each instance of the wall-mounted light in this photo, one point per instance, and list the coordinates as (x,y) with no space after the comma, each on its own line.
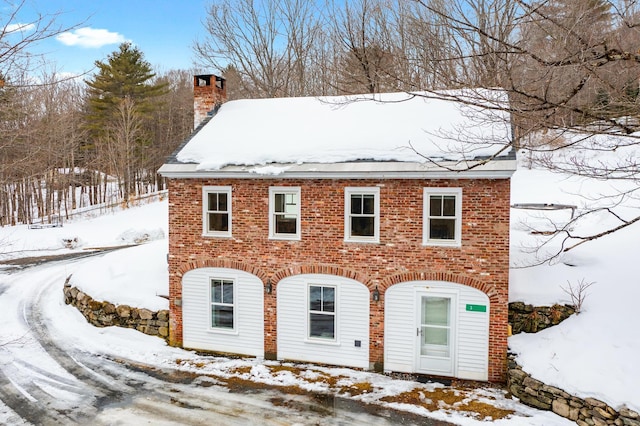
(268,287)
(376,294)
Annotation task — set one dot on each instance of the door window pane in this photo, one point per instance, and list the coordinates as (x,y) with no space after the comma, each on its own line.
(435,310)
(435,327)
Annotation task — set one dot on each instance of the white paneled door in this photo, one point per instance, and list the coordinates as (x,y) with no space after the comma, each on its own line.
(435,333)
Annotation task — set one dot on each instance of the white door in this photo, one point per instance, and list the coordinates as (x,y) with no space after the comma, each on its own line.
(435,333)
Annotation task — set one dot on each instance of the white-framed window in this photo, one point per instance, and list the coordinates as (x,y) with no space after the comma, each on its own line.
(216,211)
(284,213)
(322,312)
(362,214)
(222,304)
(442,216)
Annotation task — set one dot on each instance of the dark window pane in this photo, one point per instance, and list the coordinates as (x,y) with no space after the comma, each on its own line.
(356,204)
(212,201)
(227,292)
(435,205)
(362,226)
(442,229)
(218,222)
(285,224)
(279,203)
(449,205)
(328,299)
(222,316)
(368,206)
(321,325)
(216,291)
(315,298)
(222,202)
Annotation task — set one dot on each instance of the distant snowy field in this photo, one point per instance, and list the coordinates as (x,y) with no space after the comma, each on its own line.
(592,354)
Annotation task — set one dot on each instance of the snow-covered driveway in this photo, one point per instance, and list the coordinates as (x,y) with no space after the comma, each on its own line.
(51,373)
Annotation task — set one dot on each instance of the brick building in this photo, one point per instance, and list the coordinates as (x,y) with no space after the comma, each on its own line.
(358,233)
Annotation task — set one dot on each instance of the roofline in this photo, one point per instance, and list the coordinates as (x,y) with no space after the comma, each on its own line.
(497,169)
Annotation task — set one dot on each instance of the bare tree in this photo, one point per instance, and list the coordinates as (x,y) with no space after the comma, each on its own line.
(17,37)
(269,43)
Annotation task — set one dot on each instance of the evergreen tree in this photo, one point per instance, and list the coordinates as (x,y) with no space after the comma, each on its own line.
(120,103)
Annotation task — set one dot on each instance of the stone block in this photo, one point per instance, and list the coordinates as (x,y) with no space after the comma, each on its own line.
(124,311)
(109,308)
(163,331)
(94,305)
(598,421)
(532,383)
(595,402)
(145,314)
(163,315)
(629,422)
(517,375)
(601,413)
(560,408)
(534,402)
(630,414)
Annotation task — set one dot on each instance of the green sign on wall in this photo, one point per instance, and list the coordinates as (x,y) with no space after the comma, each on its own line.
(476,308)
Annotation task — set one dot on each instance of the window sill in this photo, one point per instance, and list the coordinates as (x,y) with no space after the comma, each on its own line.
(227,236)
(322,342)
(223,331)
(285,237)
(365,241)
(450,244)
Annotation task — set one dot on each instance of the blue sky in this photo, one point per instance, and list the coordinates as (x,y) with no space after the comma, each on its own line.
(164,30)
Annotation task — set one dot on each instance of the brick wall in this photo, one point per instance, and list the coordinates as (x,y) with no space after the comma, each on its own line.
(481,262)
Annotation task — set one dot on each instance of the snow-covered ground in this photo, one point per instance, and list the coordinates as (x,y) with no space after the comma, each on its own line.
(591,354)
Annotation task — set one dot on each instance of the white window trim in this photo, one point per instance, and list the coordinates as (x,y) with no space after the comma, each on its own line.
(205,218)
(220,330)
(457,241)
(367,190)
(273,190)
(331,342)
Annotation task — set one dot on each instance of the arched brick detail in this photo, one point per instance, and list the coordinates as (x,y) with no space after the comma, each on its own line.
(487,288)
(314,268)
(185,267)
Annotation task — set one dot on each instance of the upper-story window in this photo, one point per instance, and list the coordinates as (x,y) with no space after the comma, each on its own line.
(442,216)
(216,206)
(284,213)
(362,214)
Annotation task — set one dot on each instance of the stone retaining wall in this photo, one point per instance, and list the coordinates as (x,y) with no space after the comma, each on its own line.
(585,412)
(105,314)
(531,319)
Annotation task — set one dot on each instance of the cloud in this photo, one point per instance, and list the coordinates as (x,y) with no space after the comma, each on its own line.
(89,37)
(11,28)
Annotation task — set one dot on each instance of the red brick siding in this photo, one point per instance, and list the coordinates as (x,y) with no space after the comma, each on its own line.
(481,262)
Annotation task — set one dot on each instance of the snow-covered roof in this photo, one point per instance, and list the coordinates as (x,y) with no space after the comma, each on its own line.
(314,134)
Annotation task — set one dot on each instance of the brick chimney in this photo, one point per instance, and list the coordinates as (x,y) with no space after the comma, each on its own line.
(208,91)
